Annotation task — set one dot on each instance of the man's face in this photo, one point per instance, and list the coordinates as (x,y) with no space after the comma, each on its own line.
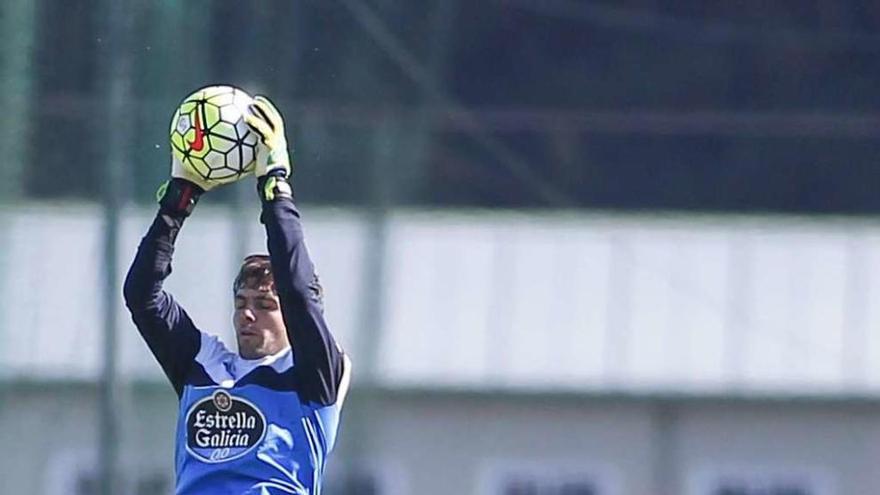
(259,326)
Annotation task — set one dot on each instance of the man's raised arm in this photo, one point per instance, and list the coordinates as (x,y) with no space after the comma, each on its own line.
(164,325)
(320,367)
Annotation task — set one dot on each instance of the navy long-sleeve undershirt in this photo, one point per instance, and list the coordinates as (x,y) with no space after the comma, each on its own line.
(175,340)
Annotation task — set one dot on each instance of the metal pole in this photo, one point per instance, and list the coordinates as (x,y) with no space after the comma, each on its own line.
(16,81)
(665,451)
(115,72)
(373,283)
(395,141)
(16,78)
(244,204)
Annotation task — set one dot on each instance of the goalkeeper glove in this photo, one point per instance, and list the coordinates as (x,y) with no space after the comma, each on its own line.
(273,160)
(179,195)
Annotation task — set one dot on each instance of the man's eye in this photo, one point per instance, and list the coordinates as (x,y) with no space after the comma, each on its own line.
(269,305)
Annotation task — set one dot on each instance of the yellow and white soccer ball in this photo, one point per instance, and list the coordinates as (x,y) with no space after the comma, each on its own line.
(209,135)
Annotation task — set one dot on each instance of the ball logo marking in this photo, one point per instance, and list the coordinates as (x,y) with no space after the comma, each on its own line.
(183,124)
(198,142)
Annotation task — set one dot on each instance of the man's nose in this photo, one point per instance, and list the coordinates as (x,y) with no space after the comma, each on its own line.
(247,315)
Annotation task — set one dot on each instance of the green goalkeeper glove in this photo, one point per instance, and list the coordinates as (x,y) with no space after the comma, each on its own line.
(273,160)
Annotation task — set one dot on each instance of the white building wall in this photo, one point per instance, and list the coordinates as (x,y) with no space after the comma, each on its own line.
(587,302)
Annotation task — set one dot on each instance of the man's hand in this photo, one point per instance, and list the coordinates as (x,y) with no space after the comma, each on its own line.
(272,157)
(178,196)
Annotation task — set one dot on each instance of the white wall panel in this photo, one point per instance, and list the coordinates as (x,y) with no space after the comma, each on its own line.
(559,301)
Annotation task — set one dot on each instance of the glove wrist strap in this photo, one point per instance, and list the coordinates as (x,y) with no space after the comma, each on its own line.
(178,197)
(274,186)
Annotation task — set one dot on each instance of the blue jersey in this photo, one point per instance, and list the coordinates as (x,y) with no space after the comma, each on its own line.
(254,427)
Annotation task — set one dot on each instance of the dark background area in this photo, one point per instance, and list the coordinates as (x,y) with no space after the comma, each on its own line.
(690,105)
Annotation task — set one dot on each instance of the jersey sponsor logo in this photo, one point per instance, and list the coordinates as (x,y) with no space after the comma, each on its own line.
(223,427)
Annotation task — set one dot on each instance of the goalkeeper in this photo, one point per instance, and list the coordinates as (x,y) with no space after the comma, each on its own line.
(261,420)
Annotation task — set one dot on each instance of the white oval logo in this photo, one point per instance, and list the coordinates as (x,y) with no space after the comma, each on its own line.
(222,427)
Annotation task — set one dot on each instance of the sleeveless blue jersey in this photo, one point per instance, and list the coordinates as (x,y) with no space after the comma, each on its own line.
(245,427)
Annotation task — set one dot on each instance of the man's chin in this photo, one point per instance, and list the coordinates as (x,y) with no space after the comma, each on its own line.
(248,349)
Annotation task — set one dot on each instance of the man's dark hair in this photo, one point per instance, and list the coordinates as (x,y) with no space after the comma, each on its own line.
(255,273)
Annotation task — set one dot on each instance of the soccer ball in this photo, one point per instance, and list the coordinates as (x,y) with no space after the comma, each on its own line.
(209,135)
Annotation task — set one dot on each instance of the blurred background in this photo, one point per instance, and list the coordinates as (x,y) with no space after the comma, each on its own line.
(573,247)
